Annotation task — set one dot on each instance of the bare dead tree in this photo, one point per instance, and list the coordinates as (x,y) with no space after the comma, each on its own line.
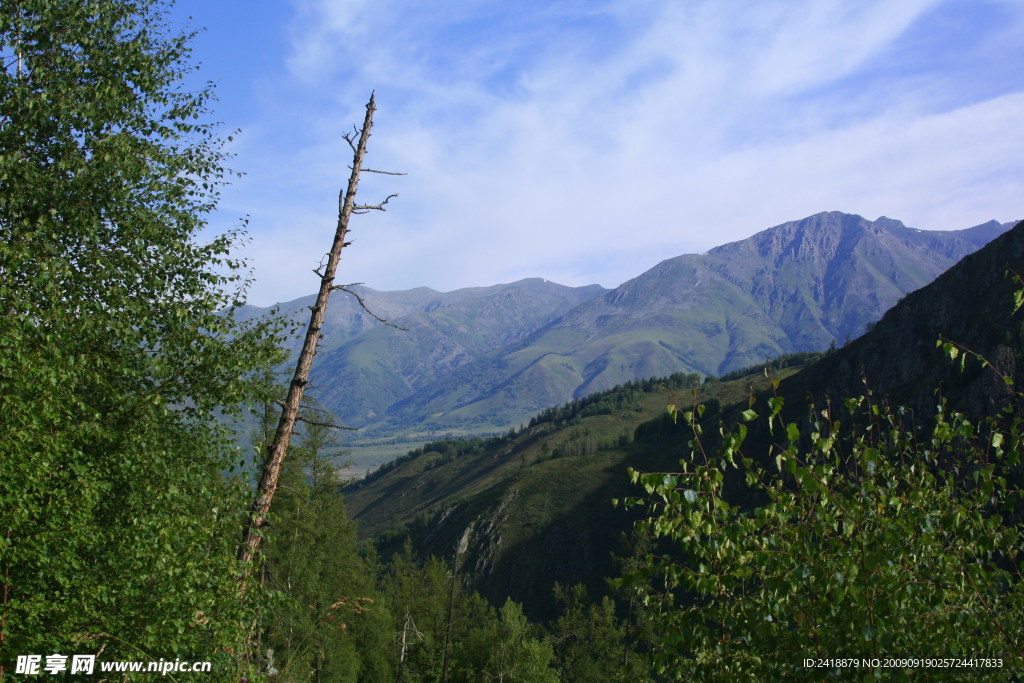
(405,640)
(290,408)
(457,552)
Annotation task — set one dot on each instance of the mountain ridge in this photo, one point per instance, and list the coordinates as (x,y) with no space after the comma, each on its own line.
(481,360)
(795,287)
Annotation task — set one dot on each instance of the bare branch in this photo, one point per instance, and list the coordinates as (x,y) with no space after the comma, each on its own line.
(348,137)
(320,267)
(305,499)
(362,304)
(363,208)
(317,422)
(370,170)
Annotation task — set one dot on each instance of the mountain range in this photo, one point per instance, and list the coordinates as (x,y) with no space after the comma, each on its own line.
(533,507)
(484,359)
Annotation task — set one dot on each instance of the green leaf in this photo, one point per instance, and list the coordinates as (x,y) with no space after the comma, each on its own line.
(792,433)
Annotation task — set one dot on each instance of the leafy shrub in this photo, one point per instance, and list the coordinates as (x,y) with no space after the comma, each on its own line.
(857,540)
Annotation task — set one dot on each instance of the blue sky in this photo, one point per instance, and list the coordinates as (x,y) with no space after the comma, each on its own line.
(584,140)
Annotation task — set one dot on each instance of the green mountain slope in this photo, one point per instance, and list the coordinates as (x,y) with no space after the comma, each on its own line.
(537,502)
(366,375)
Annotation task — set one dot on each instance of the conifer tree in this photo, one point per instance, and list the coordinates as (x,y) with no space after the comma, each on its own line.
(329,624)
(588,639)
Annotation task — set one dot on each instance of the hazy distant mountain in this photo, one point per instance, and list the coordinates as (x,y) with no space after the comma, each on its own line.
(364,367)
(799,286)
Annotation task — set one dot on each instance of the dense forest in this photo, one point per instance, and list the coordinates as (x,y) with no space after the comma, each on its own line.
(788,533)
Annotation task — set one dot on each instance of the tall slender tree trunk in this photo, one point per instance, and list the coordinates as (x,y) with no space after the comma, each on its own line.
(457,552)
(404,642)
(286,425)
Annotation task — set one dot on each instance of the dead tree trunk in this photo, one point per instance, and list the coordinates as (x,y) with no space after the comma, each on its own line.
(459,549)
(289,414)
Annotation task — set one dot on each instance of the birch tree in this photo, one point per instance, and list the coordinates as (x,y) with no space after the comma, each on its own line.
(118,528)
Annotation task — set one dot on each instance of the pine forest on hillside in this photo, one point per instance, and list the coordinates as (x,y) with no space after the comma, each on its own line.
(796,455)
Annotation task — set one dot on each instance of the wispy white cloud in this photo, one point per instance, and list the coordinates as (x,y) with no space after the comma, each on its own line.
(585,141)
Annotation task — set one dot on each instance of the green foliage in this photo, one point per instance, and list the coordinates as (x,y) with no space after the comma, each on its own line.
(578,442)
(417,596)
(854,540)
(118,527)
(329,623)
(504,649)
(588,639)
(485,644)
